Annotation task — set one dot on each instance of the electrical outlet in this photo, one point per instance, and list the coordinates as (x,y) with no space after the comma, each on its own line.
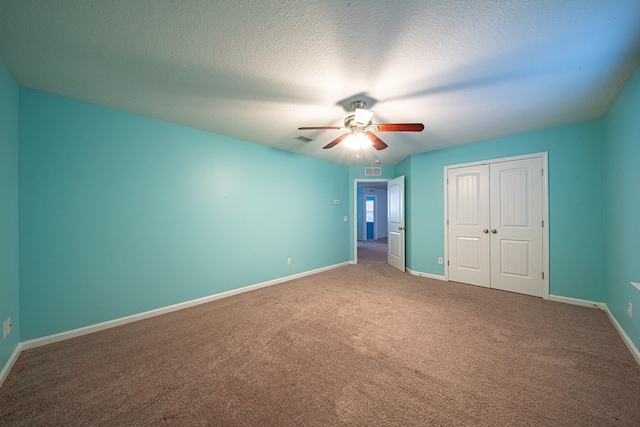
(289,261)
(630,310)
(440,260)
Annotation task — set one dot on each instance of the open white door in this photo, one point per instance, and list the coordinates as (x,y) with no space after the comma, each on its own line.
(395,220)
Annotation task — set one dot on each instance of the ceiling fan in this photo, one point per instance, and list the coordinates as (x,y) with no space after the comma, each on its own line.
(359,129)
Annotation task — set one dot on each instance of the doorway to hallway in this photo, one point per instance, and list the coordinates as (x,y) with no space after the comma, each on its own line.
(371,222)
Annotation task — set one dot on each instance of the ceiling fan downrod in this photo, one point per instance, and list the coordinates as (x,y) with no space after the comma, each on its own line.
(358,104)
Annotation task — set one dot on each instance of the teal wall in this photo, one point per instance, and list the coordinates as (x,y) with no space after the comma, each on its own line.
(622,207)
(9,290)
(120,214)
(575,203)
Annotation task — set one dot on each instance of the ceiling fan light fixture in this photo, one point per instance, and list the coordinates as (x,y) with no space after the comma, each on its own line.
(359,130)
(363,116)
(357,141)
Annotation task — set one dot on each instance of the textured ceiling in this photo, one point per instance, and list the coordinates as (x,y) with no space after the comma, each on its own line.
(258,70)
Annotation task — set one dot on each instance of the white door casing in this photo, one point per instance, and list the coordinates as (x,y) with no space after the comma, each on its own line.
(495,231)
(396,226)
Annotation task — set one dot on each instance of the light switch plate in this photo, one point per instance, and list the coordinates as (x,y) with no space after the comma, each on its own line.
(6,328)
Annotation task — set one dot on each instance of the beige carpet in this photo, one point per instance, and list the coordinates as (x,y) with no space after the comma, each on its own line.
(361,345)
(372,251)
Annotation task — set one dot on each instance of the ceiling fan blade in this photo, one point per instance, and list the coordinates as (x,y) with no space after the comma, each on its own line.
(400,127)
(321,128)
(335,142)
(377,143)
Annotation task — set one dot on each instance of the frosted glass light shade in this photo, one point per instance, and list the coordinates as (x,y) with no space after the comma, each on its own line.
(363,116)
(357,141)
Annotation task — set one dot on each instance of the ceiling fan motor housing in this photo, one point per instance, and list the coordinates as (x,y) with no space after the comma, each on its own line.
(358,104)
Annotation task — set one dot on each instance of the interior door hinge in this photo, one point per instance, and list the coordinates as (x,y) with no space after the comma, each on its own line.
(543,223)
(447,222)
(447,181)
(447,262)
(542,170)
(543,275)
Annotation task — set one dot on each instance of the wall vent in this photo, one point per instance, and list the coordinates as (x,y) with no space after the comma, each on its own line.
(372,171)
(303,138)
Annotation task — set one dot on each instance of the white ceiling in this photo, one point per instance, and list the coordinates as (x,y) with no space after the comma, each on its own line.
(257,70)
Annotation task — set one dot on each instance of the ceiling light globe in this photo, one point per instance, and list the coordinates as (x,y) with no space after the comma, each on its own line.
(357,141)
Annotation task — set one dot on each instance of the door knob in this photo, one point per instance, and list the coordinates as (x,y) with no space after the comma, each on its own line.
(485,231)
(494,231)
(402,228)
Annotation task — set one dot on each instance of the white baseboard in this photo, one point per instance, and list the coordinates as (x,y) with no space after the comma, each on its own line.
(427,275)
(12,360)
(632,348)
(576,301)
(38,342)
(602,306)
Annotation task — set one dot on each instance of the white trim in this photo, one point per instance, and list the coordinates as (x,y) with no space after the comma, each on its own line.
(445,171)
(117,322)
(576,301)
(12,360)
(602,306)
(544,158)
(38,342)
(545,230)
(498,160)
(427,275)
(625,338)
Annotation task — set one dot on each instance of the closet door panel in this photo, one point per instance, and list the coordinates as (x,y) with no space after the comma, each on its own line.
(468,198)
(516,226)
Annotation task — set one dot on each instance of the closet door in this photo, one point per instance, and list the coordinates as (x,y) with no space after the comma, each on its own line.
(495,225)
(469,238)
(516,226)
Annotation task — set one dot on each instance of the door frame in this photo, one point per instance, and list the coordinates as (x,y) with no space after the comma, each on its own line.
(355,211)
(544,157)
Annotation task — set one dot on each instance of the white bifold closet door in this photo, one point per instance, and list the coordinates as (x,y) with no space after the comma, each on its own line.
(495,225)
